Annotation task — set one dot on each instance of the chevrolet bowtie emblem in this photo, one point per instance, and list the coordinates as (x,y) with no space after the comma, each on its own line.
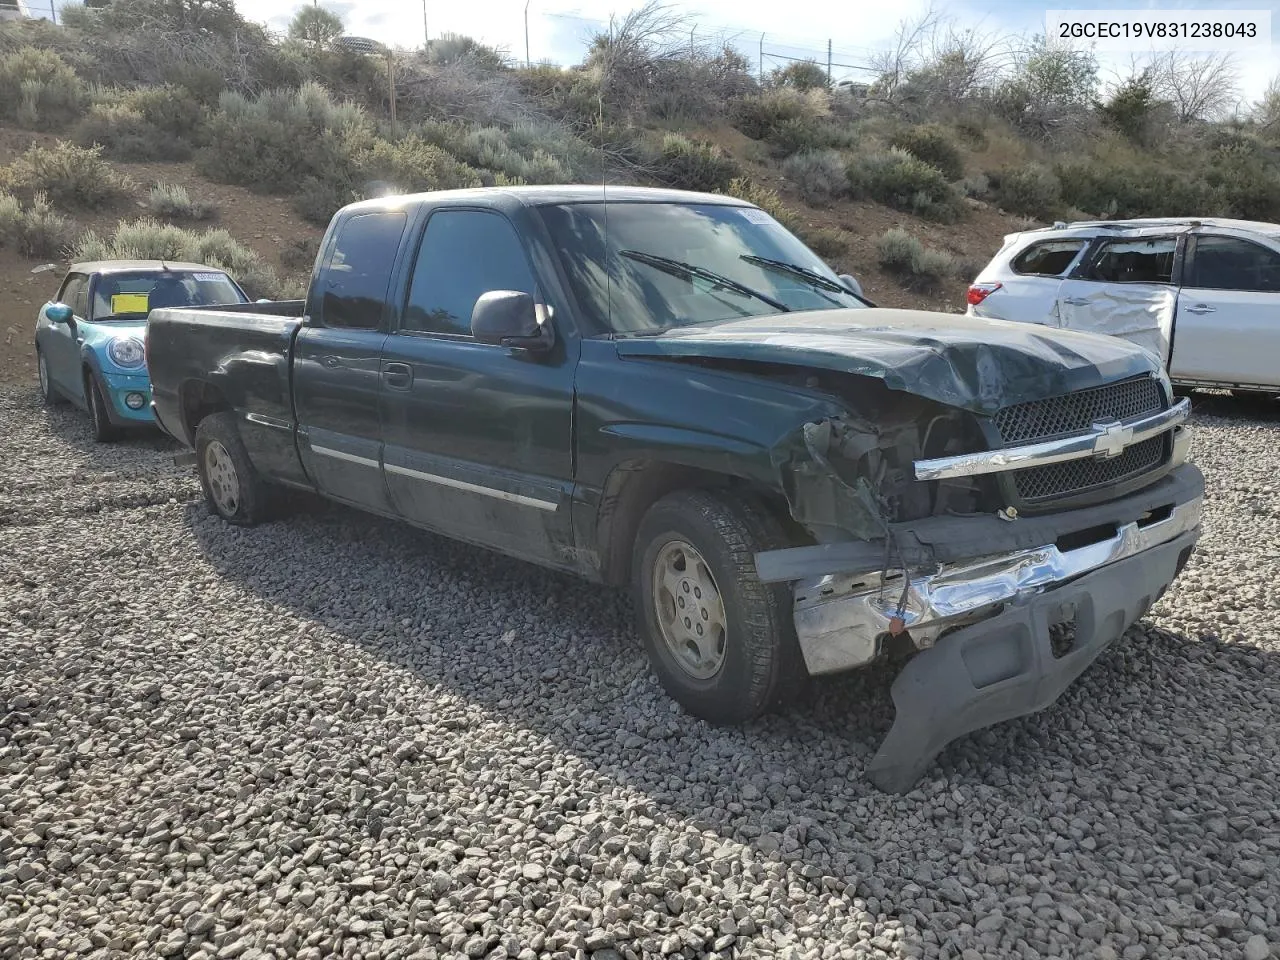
(1112,438)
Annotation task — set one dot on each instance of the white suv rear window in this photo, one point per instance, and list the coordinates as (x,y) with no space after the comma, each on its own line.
(1049,258)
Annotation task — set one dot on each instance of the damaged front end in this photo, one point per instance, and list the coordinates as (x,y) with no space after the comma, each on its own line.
(920,536)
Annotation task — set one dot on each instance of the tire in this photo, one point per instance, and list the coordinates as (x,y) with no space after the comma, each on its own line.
(104,431)
(48,392)
(232,486)
(756,666)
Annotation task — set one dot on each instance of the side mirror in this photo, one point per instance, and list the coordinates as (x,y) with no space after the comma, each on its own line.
(510,318)
(851,283)
(58,313)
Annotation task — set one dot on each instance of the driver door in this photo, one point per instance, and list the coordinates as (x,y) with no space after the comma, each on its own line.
(61,341)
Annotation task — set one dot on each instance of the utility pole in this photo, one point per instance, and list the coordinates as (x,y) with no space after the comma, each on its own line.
(762,58)
(426,34)
(828,62)
(527,61)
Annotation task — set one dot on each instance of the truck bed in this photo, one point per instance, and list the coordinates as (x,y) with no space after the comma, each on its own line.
(234,357)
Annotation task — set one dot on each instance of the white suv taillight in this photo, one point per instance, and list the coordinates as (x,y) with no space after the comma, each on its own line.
(980,291)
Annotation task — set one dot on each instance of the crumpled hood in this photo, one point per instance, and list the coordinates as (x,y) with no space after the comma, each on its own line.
(968,362)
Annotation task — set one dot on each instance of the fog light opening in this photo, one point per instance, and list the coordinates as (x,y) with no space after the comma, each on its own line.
(135,401)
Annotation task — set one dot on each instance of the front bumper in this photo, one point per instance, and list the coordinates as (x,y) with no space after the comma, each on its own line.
(119,387)
(981,614)
(1007,666)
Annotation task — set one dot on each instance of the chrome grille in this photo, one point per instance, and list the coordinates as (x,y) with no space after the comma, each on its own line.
(1079,476)
(1078,412)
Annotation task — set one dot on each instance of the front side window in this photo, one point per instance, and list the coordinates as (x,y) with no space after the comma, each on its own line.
(355,282)
(668,265)
(463,254)
(132,295)
(1225,263)
(75,294)
(1049,258)
(1135,261)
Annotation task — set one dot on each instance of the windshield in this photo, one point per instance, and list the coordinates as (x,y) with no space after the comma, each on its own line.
(677,264)
(131,296)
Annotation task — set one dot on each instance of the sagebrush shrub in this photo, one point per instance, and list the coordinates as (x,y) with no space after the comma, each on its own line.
(172,109)
(915,265)
(1031,190)
(934,146)
(818,174)
(43,231)
(691,164)
(825,242)
(40,90)
(71,176)
(903,181)
(172,201)
(278,141)
(1137,190)
(10,219)
(125,134)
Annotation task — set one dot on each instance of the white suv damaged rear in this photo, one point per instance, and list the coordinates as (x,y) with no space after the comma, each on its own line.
(1202,295)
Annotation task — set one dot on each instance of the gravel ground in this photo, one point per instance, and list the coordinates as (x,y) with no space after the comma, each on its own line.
(336,736)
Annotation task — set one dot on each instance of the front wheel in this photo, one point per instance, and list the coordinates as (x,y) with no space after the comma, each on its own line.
(228,477)
(104,431)
(722,643)
(48,392)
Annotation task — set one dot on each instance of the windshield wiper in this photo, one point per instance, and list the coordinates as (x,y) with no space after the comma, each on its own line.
(804,273)
(689,271)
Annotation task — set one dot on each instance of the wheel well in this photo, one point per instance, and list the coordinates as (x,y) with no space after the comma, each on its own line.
(636,485)
(200,399)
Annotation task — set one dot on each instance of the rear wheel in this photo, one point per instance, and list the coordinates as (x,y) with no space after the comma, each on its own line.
(104,431)
(722,643)
(48,392)
(231,483)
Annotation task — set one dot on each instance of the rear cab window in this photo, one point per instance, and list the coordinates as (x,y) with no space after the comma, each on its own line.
(1048,258)
(1134,260)
(356,278)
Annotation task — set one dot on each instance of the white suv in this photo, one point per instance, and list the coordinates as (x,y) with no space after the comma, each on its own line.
(1203,295)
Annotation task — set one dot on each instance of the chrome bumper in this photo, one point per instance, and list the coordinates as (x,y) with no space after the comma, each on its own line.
(1103,441)
(841,620)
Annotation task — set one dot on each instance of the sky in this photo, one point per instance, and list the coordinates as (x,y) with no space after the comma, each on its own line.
(559,29)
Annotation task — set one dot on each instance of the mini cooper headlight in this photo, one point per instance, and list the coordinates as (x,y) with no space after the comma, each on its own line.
(126,352)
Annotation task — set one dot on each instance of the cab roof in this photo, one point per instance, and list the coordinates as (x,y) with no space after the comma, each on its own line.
(537,196)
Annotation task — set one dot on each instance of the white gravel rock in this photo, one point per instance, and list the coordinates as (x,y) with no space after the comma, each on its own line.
(335,736)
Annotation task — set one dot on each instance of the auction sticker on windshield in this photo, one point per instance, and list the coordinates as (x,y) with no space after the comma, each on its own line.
(757,216)
(207,277)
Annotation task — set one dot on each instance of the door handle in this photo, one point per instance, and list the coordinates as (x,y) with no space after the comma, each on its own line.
(331,362)
(399,376)
(1076,301)
(1202,308)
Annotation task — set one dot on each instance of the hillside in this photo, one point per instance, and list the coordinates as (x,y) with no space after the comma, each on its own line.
(257,139)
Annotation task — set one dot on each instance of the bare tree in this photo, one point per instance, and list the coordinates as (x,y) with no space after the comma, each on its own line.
(1200,88)
(893,64)
(1266,112)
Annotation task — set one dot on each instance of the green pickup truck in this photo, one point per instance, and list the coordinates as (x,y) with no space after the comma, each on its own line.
(669,391)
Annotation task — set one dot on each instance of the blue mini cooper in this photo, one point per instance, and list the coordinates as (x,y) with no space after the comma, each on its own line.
(89,339)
